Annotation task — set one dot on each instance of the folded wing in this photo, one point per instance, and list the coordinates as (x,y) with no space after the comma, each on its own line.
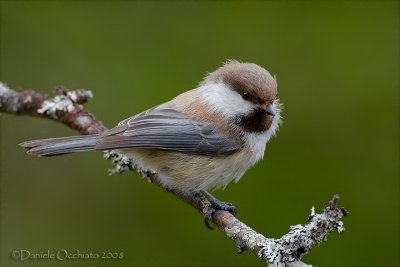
(166,128)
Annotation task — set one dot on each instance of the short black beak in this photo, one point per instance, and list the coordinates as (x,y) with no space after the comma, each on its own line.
(268,111)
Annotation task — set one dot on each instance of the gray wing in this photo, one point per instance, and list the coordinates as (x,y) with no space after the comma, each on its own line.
(166,128)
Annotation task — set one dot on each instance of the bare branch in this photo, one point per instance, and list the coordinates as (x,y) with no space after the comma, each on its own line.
(66,107)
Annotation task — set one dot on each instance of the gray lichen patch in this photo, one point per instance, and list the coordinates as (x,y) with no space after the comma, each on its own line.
(83,120)
(66,102)
(232,232)
(205,204)
(123,163)
(79,96)
(8,99)
(58,103)
(301,238)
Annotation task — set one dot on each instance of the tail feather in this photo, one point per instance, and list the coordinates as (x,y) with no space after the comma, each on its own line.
(61,145)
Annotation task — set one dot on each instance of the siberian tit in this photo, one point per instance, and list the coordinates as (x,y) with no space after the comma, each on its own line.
(200,140)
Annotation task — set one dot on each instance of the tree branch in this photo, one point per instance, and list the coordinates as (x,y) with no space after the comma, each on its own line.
(66,107)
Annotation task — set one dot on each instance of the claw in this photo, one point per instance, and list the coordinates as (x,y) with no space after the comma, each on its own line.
(208,217)
(231,208)
(215,206)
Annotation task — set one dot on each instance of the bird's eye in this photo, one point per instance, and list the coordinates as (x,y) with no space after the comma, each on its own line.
(246,96)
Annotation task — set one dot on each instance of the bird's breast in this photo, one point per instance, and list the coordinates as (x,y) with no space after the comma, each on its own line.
(186,172)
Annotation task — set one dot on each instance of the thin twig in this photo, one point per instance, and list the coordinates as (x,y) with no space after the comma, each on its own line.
(66,107)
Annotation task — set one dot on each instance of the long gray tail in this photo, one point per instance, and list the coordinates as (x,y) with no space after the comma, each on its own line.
(61,145)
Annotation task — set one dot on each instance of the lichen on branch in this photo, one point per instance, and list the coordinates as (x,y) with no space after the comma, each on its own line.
(67,107)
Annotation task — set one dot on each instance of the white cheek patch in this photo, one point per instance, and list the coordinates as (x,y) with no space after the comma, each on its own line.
(224,100)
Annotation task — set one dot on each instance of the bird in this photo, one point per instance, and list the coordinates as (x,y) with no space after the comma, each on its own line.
(201,140)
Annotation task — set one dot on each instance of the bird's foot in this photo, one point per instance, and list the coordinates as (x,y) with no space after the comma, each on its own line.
(215,206)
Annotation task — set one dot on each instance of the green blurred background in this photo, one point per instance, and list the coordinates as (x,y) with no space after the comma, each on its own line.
(337,64)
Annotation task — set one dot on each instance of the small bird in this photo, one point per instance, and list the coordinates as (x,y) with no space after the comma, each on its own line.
(200,140)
